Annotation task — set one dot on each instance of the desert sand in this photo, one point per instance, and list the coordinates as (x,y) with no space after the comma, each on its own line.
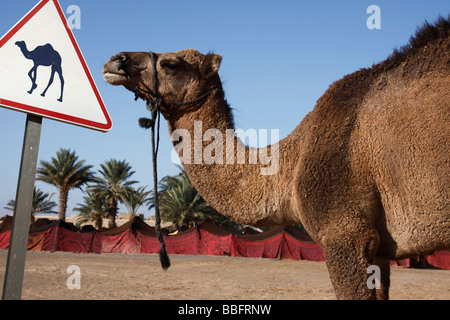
(139,276)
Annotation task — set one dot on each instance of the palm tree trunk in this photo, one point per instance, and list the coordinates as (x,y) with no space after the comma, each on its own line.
(63,195)
(112,215)
(111,221)
(98,223)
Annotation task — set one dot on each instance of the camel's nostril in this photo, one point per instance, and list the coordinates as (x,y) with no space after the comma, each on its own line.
(123,61)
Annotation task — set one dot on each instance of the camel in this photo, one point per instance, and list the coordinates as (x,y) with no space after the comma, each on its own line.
(365,172)
(43,56)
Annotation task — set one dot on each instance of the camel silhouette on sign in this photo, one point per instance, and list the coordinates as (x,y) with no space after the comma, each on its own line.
(43,56)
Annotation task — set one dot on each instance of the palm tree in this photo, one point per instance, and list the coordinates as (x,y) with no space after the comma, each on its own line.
(65,172)
(133,199)
(93,209)
(40,204)
(181,204)
(110,185)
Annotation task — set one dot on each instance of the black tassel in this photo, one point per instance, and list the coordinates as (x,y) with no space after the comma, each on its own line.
(164,258)
(146,123)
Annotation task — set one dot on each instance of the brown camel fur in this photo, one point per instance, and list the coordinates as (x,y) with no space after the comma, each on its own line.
(366,171)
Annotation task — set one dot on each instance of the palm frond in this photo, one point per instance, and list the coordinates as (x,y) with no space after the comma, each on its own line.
(181,204)
(65,172)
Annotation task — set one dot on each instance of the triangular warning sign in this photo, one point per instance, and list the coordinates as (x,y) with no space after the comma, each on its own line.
(43,72)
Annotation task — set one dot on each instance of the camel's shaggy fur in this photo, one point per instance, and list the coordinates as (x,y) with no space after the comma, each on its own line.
(366,171)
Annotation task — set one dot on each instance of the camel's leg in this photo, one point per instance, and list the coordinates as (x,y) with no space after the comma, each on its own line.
(32,74)
(50,81)
(61,78)
(348,257)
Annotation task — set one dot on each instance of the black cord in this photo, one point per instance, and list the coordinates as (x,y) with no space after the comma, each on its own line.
(163,257)
(153,105)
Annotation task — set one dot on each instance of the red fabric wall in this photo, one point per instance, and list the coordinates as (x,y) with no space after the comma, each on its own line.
(440,259)
(205,240)
(304,251)
(214,245)
(4,239)
(125,242)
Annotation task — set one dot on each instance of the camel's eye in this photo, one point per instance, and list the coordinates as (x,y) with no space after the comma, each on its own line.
(170,64)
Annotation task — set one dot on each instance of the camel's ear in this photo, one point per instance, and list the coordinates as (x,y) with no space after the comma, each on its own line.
(210,64)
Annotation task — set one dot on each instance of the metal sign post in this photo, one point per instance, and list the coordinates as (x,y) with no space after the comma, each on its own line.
(42,34)
(12,285)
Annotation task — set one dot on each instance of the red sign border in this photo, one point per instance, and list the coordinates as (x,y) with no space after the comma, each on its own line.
(52,114)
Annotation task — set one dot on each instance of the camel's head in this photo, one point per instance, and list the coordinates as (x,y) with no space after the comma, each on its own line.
(181,76)
(20,44)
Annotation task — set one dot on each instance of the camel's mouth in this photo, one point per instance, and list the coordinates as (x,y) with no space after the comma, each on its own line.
(115,78)
(113,75)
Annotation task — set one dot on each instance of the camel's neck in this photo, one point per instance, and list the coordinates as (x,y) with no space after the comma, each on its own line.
(25,51)
(240,182)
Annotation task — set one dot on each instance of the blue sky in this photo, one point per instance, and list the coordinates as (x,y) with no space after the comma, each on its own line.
(279,57)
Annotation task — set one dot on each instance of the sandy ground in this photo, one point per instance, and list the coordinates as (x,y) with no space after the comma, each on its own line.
(139,276)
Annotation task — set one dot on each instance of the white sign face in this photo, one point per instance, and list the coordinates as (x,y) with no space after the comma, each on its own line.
(43,72)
